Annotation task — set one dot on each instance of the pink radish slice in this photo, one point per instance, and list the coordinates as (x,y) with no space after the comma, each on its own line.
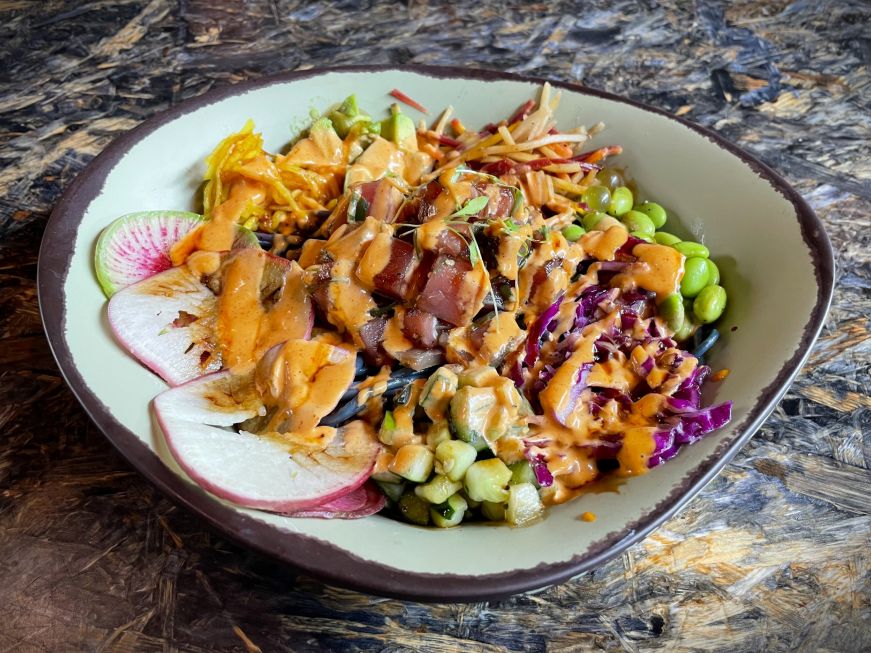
(168,322)
(137,245)
(362,502)
(251,470)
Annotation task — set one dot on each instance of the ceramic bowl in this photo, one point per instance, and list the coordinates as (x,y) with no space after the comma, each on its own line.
(776,264)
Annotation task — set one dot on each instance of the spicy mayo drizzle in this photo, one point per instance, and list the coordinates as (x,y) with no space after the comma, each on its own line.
(302,381)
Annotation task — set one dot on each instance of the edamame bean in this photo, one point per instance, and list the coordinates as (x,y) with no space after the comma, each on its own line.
(686,329)
(609,178)
(665,238)
(653,211)
(592,219)
(689,248)
(641,236)
(637,221)
(713,273)
(672,311)
(709,304)
(573,232)
(695,276)
(597,198)
(621,201)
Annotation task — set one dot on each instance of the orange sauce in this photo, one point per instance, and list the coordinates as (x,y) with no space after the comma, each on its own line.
(239,309)
(603,245)
(306,380)
(303,379)
(218,233)
(658,269)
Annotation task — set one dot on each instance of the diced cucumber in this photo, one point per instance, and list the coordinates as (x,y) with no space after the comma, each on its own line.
(413,462)
(498,423)
(478,377)
(470,411)
(450,512)
(414,509)
(522,472)
(438,392)
(453,458)
(493,511)
(480,444)
(485,480)
(437,433)
(471,502)
(507,394)
(524,504)
(388,428)
(438,489)
(391,490)
(381,471)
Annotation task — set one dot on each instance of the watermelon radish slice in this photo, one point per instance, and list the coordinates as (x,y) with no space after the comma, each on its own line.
(362,502)
(169,320)
(257,471)
(137,245)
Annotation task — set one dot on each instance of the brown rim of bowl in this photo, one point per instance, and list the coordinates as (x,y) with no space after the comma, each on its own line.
(321,559)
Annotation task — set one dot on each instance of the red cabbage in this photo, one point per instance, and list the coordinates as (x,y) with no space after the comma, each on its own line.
(515,372)
(613,266)
(578,386)
(539,468)
(588,303)
(627,247)
(686,428)
(646,367)
(691,388)
(533,340)
(636,301)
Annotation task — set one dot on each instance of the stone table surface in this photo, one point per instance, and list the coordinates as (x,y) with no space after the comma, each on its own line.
(773,555)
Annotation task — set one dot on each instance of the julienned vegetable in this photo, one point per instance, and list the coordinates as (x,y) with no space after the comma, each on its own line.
(452,324)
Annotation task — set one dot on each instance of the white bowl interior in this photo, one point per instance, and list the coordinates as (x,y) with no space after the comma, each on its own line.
(751,229)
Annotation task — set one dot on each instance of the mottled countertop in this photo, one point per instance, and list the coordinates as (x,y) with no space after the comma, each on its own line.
(773,555)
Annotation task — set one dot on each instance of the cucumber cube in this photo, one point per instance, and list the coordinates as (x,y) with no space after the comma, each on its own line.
(438,489)
(413,462)
(521,472)
(479,377)
(470,412)
(438,392)
(414,509)
(449,513)
(453,458)
(524,505)
(493,511)
(485,480)
(437,433)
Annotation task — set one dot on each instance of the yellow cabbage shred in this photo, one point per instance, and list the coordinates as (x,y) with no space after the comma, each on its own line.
(294,193)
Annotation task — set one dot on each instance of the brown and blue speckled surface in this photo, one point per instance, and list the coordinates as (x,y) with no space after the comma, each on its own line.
(773,555)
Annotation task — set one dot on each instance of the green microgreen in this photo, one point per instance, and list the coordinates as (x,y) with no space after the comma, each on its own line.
(472,207)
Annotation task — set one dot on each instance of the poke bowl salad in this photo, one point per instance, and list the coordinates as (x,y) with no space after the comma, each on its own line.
(436,321)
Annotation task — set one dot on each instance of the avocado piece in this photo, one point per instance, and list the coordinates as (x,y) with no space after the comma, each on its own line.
(347,115)
(350,107)
(400,129)
(320,124)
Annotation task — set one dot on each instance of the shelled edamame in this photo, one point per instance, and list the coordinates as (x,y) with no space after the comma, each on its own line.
(612,202)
